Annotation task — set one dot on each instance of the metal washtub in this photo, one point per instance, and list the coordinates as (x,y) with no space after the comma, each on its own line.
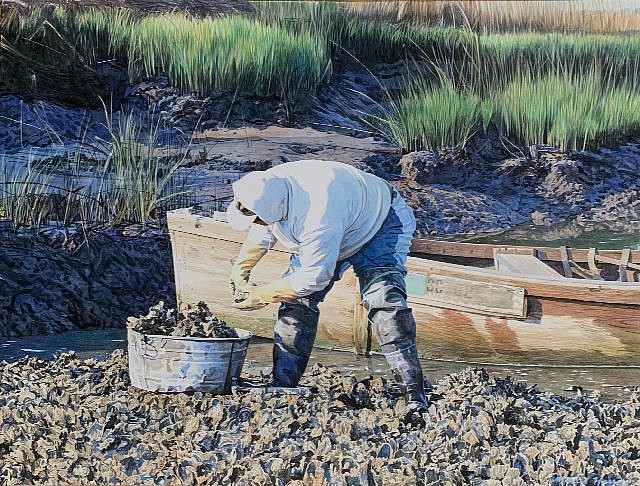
(178,364)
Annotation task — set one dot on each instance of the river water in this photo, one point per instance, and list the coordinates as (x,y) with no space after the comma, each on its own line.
(610,383)
(563,235)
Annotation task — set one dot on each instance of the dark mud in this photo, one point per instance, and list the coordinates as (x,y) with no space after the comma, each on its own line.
(489,189)
(72,421)
(51,281)
(491,186)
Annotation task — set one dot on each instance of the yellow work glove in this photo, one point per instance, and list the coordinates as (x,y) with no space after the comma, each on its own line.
(257,297)
(249,256)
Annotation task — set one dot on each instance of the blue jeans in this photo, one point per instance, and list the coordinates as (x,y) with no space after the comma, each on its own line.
(380,266)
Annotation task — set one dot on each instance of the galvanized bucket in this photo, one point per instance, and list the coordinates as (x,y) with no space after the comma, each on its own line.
(177,364)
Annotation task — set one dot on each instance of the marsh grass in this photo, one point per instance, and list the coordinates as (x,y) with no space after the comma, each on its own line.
(207,55)
(519,71)
(432,118)
(369,40)
(227,54)
(548,84)
(568,113)
(133,184)
(571,113)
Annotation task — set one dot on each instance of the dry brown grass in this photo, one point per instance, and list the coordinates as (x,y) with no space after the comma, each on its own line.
(601,16)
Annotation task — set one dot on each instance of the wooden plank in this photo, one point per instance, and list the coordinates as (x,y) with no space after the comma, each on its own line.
(554,332)
(175,248)
(183,220)
(591,261)
(624,261)
(527,265)
(476,250)
(361,327)
(573,289)
(612,261)
(566,266)
(438,290)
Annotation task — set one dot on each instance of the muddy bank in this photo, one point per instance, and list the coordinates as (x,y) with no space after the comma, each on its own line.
(50,282)
(491,186)
(488,189)
(74,421)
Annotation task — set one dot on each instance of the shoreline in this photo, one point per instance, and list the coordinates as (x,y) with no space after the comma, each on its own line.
(608,384)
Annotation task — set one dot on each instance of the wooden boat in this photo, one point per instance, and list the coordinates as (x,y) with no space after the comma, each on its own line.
(474,303)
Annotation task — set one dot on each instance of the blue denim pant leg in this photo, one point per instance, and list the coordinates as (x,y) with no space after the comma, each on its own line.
(381,269)
(380,266)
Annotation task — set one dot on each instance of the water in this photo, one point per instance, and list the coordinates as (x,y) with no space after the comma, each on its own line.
(87,343)
(563,235)
(610,383)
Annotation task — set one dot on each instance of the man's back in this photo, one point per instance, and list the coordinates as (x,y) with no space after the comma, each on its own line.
(319,196)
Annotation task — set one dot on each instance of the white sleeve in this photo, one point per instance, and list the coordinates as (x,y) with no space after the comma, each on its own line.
(262,236)
(318,254)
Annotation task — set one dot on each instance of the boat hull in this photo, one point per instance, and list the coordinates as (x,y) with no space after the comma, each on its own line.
(462,313)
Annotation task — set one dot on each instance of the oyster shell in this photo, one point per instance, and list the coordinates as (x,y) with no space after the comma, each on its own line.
(68,421)
(196,321)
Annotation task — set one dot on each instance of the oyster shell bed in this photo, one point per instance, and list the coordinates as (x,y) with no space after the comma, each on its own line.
(196,321)
(80,422)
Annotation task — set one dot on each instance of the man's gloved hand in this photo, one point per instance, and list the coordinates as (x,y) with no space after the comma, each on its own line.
(249,256)
(258,297)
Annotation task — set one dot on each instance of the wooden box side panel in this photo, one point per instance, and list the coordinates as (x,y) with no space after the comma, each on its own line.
(439,290)
(202,265)
(570,289)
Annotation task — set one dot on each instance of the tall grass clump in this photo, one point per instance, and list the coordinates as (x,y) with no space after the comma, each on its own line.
(433,118)
(55,33)
(138,176)
(26,197)
(571,113)
(227,54)
(568,113)
(368,40)
(207,55)
(493,61)
(135,182)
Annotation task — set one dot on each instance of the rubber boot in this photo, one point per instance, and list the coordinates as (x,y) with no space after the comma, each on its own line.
(294,334)
(395,328)
(407,372)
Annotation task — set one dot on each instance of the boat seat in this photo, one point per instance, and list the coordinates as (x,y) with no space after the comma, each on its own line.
(524,265)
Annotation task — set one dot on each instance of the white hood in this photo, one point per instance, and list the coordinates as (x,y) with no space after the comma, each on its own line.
(265,194)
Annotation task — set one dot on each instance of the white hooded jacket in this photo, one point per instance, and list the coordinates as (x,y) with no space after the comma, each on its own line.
(325,211)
